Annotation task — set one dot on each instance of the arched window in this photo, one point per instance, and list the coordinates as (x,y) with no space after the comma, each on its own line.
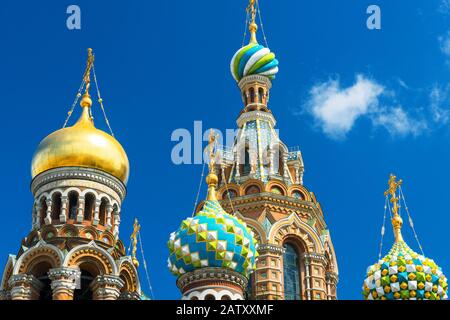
(102,213)
(40,272)
(261,95)
(229,194)
(210,297)
(225,297)
(277,190)
(247,166)
(298,195)
(252,190)
(252,95)
(291,271)
(73,205)
(89,206)
(83,291)
(56,206)
(43,210)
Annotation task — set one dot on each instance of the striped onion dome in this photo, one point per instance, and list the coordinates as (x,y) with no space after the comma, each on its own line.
(254,59)
(405,275)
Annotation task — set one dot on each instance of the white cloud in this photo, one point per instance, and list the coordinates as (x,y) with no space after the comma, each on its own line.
(444,7)
(445,43)
(438,96)
(397,122)
(336,109)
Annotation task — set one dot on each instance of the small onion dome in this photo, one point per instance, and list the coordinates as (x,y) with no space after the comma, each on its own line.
(404,275)
(213,238)
(254,59)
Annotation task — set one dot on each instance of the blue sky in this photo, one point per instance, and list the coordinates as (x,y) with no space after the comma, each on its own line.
(360,104)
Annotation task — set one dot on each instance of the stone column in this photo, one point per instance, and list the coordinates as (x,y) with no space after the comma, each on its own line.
(307,277)
(297,173)
(109,210)
(285,166)
(80,214)
(48,215)
(64,282)
(106,287)
(38,209)
(272,162)
(25,287)
(64,214)
(116,223)
(97,212)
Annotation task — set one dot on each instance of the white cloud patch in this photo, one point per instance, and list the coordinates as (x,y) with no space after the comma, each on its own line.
(445,44)
(438,97)
(336,109)
(444,6)
(397,122)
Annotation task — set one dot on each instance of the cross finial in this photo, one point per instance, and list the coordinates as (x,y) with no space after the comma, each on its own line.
(86,101)
(133,237)
(397,221)
(253,27)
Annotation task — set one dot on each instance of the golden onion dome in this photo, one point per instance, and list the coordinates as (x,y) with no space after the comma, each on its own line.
(81,145)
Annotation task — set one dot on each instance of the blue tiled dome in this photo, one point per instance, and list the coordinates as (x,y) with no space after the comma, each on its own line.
(213,238)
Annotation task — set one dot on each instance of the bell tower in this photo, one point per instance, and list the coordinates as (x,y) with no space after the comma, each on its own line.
(73,250)
(261,180)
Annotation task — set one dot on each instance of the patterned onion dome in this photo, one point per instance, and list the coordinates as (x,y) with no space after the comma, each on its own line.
(213,238)
(254,59)
(405,275)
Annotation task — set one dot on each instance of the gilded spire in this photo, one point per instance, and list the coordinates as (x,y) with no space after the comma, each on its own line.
(86,100)
(212,179)
(253,27)
(397,221)
(133,237)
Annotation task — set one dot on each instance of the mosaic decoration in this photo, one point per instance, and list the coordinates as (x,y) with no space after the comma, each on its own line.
(405,275)
(254,59)
(213,238)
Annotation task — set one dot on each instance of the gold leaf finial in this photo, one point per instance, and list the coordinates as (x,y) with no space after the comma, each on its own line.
(133,237)
(397,221)
(212,180)
(86,100)
(253,27)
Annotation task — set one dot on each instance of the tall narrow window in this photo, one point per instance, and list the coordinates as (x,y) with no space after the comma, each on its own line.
(73,205)
(252,95)
(89,205)
(56,206)
(246,162)
(261,95)
(291,271)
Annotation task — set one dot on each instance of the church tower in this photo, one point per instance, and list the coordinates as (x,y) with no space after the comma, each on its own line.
(73,250)
(261,181)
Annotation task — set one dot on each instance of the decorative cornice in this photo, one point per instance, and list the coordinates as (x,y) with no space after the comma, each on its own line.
(255,78)
(317,257)
(212,274)
(80,173)
(253,115)
(270,248)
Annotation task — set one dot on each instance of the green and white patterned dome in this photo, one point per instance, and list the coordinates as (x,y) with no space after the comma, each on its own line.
(405,275)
